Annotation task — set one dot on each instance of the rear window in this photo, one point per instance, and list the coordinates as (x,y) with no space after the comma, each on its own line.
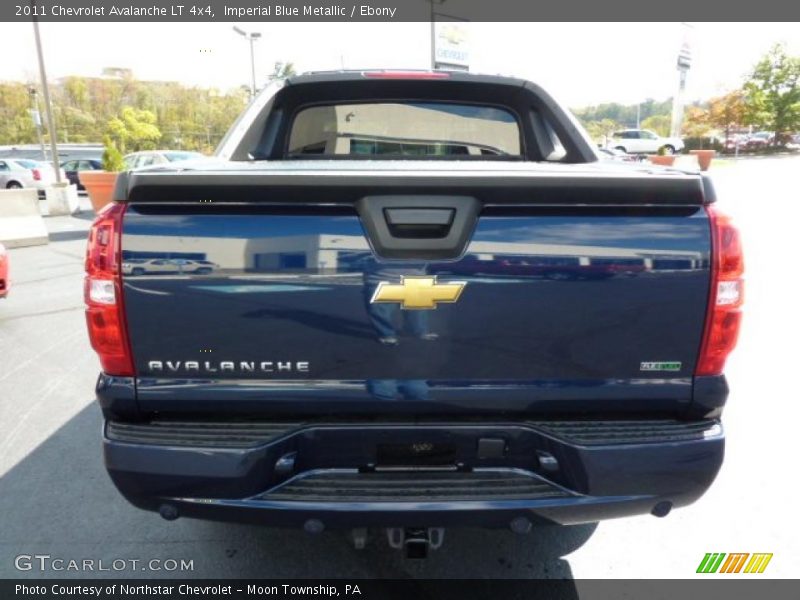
(405,130)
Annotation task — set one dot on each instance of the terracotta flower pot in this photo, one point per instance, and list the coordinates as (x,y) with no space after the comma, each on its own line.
(704,158)
(667,160)
(99,185)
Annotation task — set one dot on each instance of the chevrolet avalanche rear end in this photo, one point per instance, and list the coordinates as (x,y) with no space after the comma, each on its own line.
(430,306)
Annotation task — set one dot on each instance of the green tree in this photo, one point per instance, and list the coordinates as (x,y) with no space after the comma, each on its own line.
(76,92)
(134,129)
(16,122)
(727,112)
(625,114)
(600,130)
(75,124)
(658,123)
(772,92)
(695,122)
(112,157)
(187,117)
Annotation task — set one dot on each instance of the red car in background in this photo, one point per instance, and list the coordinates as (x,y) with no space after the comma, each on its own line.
(736,140)
(3,272)
(760,139)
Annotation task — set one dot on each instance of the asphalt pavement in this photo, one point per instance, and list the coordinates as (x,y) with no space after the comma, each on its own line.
(56,499)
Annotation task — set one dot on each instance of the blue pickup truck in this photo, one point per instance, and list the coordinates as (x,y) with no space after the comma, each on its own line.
(424,302)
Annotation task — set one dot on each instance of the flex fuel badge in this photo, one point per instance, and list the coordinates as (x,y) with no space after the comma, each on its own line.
(660,366)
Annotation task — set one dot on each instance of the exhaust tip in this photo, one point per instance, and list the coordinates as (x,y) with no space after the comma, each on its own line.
(662,509)
(168,512)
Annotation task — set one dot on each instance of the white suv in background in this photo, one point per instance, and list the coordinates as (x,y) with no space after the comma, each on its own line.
(643,141)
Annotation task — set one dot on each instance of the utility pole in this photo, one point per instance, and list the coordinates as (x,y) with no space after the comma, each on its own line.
(51,126)
(36,115)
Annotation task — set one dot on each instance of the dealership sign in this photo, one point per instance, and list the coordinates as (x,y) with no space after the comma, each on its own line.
(685,50)
(451,45)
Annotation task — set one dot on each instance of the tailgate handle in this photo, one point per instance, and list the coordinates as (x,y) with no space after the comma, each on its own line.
(424,227)
(419,222)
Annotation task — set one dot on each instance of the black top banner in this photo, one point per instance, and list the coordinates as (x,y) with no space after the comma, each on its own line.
(396,10)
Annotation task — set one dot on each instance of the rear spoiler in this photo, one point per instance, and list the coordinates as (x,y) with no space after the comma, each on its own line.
(274,184)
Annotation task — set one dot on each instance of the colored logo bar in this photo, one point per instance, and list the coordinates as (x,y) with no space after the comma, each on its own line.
(737,562)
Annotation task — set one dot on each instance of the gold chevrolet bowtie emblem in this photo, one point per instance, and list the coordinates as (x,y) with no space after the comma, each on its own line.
(418,292)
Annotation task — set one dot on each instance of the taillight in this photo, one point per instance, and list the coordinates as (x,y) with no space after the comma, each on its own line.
(102,292)
(406,75)
(37,174)
(727,294)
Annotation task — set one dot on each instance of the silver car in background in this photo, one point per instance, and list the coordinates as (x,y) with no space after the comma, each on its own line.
(148,158)
(18,173)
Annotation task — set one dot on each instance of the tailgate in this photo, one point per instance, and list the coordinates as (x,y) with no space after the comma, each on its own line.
(417,299)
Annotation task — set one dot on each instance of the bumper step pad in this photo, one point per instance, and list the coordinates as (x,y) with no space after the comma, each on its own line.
(234,434)
(249,434)
(628,431)
(352,486)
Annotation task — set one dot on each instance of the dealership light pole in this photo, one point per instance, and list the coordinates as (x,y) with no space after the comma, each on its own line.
(252,37)
(51,127)
(684,64)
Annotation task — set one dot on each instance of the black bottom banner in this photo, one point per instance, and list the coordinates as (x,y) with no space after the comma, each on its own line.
(405,589)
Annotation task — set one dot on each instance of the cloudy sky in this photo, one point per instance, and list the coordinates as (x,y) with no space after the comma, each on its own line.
(581,63)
